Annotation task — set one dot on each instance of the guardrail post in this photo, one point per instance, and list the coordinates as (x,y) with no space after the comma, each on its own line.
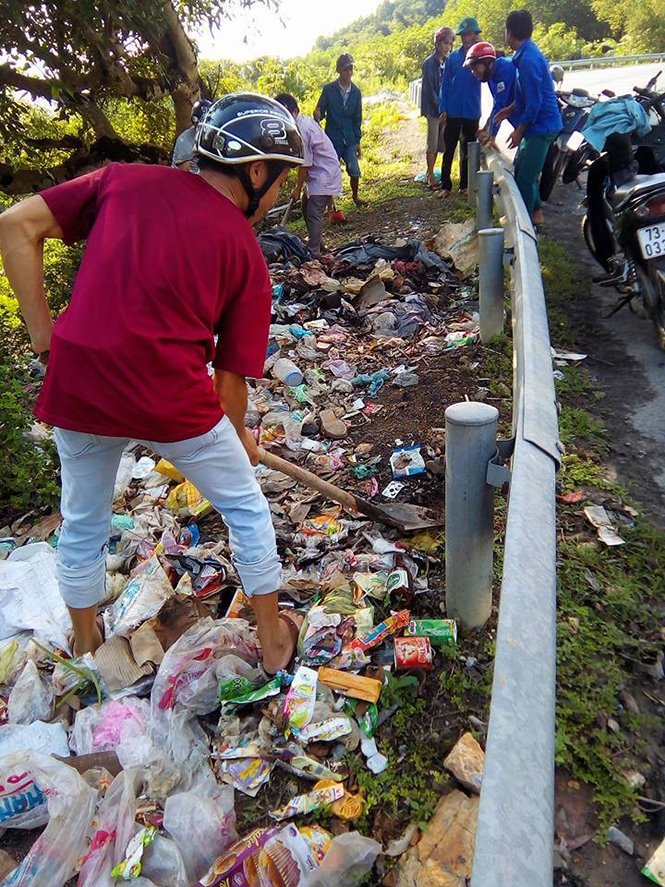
(470,444)
(473,164)
(490,249)
(484,185)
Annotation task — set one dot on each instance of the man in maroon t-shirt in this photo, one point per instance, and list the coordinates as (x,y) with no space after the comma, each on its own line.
(172,279)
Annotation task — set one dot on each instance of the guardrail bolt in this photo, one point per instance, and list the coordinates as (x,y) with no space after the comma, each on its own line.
(484,188)
(470,444)
(490,249)
(473,164)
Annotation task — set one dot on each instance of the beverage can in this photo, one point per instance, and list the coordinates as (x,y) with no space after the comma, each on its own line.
(413,652)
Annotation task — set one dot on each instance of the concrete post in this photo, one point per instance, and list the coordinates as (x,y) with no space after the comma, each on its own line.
(470,444)
(490,249)
(484,182)
(473,167)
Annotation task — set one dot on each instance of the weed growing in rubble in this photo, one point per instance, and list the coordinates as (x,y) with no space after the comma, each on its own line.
(609,599)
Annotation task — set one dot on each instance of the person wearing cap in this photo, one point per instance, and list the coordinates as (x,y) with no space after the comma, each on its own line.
(341,106)
(500,75)
(183,150)
(429,97)
(128,359)
(459,104)
(535,112)
(320,173)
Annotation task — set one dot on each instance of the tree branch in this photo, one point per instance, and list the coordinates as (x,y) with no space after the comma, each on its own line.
(34,85)
(17,182)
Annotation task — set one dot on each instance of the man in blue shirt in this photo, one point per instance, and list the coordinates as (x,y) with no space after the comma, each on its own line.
(536,113)
(459,104)
(500,74)
(341,105)
(429,97)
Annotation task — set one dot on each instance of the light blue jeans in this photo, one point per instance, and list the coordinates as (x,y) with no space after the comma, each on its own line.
(216,463)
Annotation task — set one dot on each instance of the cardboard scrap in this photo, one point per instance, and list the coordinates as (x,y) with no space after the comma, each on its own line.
(117,666)
(599,518)
(146,646)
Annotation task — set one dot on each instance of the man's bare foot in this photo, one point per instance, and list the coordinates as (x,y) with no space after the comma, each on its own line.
(358,202)
(538,218)
(88,644)
(282,647)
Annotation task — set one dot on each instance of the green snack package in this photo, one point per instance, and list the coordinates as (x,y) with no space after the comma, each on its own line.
(367,722)
(441,632)
(272,688)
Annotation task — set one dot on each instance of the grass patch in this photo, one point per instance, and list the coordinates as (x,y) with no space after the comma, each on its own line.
(609,604)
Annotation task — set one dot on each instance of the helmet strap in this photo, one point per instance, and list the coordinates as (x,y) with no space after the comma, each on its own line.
(255,195)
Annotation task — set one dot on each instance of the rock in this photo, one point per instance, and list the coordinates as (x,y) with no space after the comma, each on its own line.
(622,841)
(342,385)
(331,425)
(613,725)
(628,701)
(444,856)
(466,762)
(434,466)
(634,778)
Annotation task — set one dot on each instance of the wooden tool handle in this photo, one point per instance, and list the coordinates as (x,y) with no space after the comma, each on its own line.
(308,479)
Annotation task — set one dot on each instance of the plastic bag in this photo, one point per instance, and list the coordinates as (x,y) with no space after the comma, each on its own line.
(123,477)
(142,597)
(36,789)
(103,728)
(29,596)
(115,828)
(349,858)
(49,739)
(202,823)
(30,700)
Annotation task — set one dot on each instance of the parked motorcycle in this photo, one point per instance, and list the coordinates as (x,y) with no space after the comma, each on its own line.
(624,224)
(575,106)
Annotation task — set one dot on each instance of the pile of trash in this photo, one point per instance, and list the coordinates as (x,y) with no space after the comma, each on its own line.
(132,757)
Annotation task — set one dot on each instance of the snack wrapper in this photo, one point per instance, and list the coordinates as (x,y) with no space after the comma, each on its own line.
(301,805)
(380,632)
(130,868)
(300,700)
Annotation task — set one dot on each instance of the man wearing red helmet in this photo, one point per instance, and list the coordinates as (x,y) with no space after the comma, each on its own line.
(500,75)
(429,97)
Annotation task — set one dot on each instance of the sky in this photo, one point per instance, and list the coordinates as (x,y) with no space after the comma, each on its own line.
(287,33)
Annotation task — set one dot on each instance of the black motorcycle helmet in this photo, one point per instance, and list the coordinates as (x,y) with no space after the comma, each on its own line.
(245,126)
(198,110)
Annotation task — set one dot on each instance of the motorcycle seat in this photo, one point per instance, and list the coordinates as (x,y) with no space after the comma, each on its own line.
(638,185)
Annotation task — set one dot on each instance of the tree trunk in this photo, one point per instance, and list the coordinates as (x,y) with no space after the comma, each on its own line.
(182,54)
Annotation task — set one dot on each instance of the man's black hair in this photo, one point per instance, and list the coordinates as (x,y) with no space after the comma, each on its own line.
(289,102)
(520,24)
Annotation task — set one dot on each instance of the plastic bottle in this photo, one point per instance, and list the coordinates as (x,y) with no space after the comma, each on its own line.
(286,371)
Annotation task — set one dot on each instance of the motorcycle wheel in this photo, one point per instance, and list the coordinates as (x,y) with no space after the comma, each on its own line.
(551,171)
(653,297)
(588,236)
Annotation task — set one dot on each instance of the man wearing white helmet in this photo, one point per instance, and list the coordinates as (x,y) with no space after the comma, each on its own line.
(128,358)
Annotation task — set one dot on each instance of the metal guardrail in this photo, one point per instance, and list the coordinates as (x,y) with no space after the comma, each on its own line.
(514,841)
(602,61)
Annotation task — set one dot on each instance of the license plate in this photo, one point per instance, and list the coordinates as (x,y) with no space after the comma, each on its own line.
(652,240)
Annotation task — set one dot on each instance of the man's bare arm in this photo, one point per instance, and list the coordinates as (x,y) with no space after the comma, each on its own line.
(23,229)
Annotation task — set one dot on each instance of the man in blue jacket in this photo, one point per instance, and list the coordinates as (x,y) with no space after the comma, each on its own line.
(500,74)
(341,105)
(429,97)
(459,104)
(536,113)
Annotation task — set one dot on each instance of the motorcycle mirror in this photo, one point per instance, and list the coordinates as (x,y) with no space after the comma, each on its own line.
(609,93)
(575,142)
(557,73)
(654,80)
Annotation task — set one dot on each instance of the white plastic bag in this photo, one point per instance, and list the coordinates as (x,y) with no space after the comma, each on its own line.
(115,828)
(123,478)
(29,596)
(30,699)
(202,823)
(49,739)
(349,858)
(36,788)
(104,727)
(141,599)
